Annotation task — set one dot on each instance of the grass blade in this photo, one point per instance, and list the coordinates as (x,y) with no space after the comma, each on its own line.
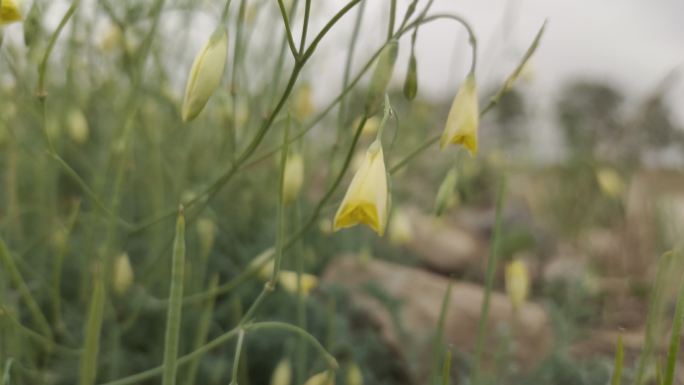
(675,338)
(619,356)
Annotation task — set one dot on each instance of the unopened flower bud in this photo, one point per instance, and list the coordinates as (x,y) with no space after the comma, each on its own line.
(205,75)
(282,374)
(77,126)
(123,274)
(446,195)
(411,82)
(293,178)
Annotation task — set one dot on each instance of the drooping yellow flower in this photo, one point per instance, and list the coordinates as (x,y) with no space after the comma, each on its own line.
(463,120)
(123,274)
(610,182)
(323,378)
(517,282)
(366,200)
(294,177)
(205,74)
(282,374)
(9,12)
(288,281)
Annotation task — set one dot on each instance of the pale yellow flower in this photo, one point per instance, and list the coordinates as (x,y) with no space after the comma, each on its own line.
(205,75)
(517,282)
(463,120)
(610,182)
(400,228)
(302,105)
(77,126)
(288,281)
(354,375)
(123,274)
(366,200)
(294,177)
(9,12)
(323,378)
(282,374)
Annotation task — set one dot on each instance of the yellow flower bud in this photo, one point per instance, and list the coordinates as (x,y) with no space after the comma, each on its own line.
(265,270)
(205,75)
(354,375)
(294,177)
(517,282)
(322,378)
(112,39)
(400,229)
(206,233)
(77,126)
(464,116)
(288,281)
(123,274)
(382,74)
(282,374)
(446,195)
(9,12)
(366,200)
(302,106)
(610,182)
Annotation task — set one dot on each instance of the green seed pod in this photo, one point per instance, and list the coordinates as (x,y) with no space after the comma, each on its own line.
(411,82)
(205,75)
(445,195)
(381,76)
(32,26)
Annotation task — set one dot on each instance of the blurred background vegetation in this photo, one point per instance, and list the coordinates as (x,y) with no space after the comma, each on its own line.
(590,227)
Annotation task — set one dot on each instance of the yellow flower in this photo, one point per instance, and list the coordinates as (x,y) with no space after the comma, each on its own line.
(366,200)
(400,229)
(9,12)
(322,378)
(463,119)
(294,177)
(123,274)
(288,281)
(205,75)
(77,126)
(302,106)
(610,182)
(282,374)
(517,282)
(354,375)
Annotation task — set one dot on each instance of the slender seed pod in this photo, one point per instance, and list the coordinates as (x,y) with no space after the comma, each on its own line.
(411,82)
(205,75)
(173,318)
(381,76)
(91,347)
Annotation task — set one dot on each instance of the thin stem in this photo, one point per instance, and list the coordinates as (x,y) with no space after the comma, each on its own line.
(305,27)
(236,359)
(42,67)
(675,338)
(330,360)
(288,31)
(281,209)
(224,13)
(489,280)
(392,16)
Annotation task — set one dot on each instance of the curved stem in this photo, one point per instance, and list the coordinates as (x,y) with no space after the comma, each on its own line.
(274,325)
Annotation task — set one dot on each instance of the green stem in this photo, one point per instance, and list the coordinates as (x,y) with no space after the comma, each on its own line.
(93,329)
(305,27)
(392,16)
(42,67)
(288,31)
(619,356)
(236,359)
(489,281)
(675,338)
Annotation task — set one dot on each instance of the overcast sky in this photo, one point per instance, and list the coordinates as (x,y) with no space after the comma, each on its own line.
(632,44)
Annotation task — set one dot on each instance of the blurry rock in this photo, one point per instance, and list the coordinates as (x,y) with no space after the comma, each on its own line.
(443,245)
(420,294)
(566,266)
